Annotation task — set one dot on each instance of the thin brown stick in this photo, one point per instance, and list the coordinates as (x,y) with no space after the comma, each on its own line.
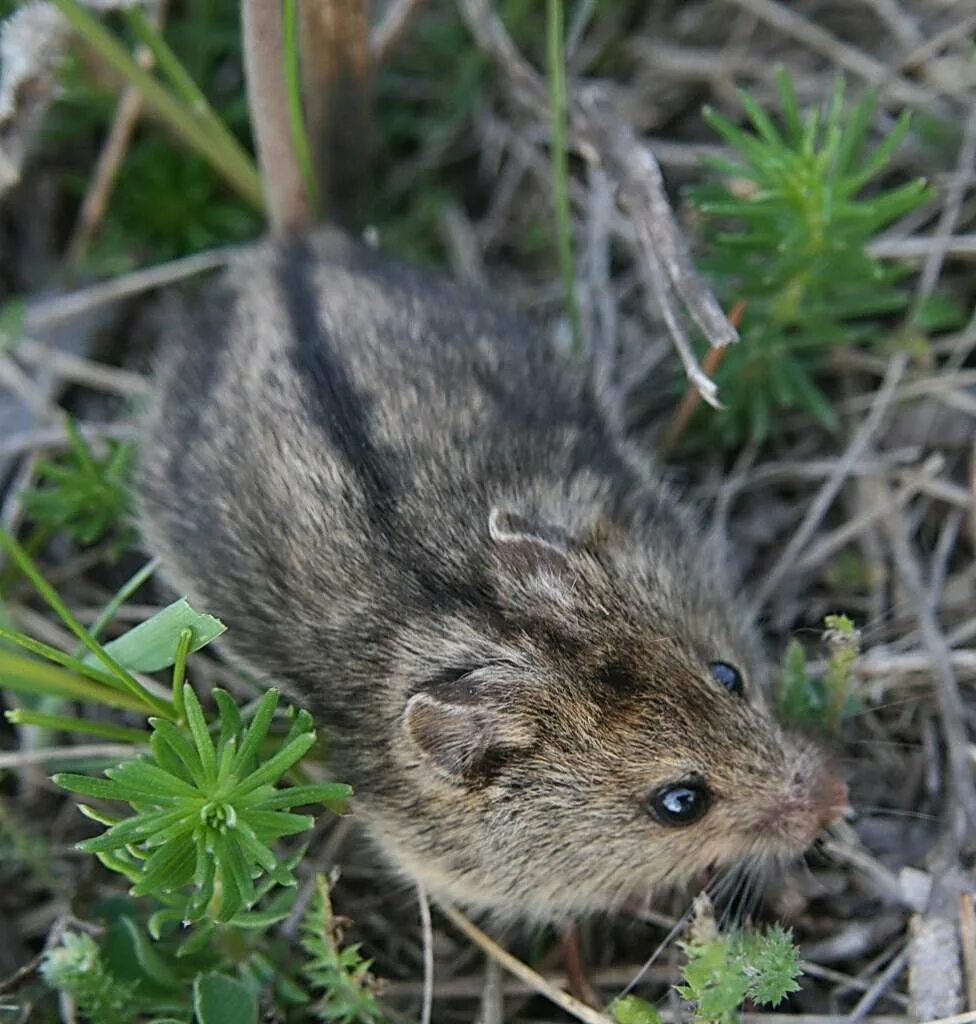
(525,973)
(427,931)
(110,159)
(951,208)
(952,712)
(285,195)
(967,936)
(831,487)
(691,398)
(578,981)
(336,70)
(78,370)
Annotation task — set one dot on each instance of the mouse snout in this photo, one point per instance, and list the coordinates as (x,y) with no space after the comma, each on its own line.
(814,799)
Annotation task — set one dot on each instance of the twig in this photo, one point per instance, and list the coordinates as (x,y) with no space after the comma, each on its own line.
(792,24)
(864,1005)
(920,247)
(492,995)
(950,214)
(392,27)
(53,437)
(284,190)
(967,936)
(832,485)
(525,973)
(336,65)
(13,379)
(840,537)
(956,32)
(110,159)
(79,370)
(428,935)
(43,313)
(951,709)
(690,399)
(641,191)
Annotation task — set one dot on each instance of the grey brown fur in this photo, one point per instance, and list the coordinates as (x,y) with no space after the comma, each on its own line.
(410,515)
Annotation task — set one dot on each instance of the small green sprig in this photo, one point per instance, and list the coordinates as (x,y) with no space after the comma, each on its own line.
(786,232)
(206,812)
(339,973)
(726,970)
(81,494)
(75,967)
(821,703)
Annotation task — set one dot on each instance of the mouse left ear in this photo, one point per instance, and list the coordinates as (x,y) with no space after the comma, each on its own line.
(520,536)
(465,740)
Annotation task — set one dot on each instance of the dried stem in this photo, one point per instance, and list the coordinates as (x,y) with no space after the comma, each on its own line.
(523,972)
(285,194)
(336,63)
(604,139)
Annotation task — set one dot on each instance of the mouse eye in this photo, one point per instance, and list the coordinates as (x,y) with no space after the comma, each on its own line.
(680,804)
(726,675)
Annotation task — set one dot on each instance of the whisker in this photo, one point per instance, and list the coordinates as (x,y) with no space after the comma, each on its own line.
(649,962)
(899,744)
(893,812)
(729,910)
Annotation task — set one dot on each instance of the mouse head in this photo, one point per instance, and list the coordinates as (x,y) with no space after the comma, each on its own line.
(605,735)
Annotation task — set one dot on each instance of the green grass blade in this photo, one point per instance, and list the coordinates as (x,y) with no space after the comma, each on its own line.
(122,595)
(235,167)
(186,88)
(54,602)
(27,675)
(66,723)
(58,657)
(296,117)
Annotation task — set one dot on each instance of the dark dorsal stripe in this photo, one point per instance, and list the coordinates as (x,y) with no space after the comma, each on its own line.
(331,396)
(343,416)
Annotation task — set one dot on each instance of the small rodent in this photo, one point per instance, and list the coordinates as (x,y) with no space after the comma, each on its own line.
(411,515)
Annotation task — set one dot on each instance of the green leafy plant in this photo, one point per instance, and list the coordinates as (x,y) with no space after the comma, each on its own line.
(338,972)
(179,103)
(206,812)
(722,973)
(632,1009)
(820,703)
(726,970)
(786,230)
(75,967)
(81,494)
(200,846)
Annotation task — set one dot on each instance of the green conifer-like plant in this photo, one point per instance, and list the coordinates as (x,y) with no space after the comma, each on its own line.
(787,223)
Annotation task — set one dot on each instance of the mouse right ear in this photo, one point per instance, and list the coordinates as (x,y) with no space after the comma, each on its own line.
(466,741)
